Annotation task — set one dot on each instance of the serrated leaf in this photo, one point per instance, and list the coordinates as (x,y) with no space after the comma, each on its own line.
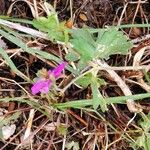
(83,43)
(90,79)
(56,31)
(108,42)
(85,80)
(98,99)
(112,42)
(58,34)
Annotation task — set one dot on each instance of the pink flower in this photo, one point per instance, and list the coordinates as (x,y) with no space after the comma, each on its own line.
(43,85)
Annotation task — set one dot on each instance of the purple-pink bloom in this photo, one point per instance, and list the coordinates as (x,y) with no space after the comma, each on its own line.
(57,71)
(43,85)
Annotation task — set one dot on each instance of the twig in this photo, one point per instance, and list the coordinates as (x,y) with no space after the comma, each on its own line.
(125,89)
(29,125)
(142,38)
(129,122)
(122,13)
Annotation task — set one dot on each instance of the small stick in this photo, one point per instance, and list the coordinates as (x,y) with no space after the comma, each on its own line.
(29,125)
(125,89)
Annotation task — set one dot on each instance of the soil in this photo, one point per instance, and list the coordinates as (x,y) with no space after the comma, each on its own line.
(85,128)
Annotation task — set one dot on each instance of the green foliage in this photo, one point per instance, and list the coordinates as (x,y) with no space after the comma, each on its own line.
(12,65)
(89,102)
(95,82)
(84,81)
(98,99)
(83,43)
(46,24)
(108,42)
(143,141)
(111,42)
(87,80)
(72,56)
(87,46)
(147,76)
(56,31)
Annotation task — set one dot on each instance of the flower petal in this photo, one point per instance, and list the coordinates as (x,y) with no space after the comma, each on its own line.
(41,86)
(57,71)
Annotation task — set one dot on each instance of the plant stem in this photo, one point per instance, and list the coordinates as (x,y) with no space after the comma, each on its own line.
(89,102)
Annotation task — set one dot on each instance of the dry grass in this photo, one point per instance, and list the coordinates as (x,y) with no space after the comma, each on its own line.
(84,128)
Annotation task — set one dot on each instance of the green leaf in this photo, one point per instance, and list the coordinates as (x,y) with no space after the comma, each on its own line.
(85,81)
(112,42)
(101,82)
(145,124)
(12,37)
(144,139)
(56,31)
(72,56)
(83,43)
(95,82)
(58,34)
(46,24)
(108,42)
(97,97)
(81,64)
(12,65)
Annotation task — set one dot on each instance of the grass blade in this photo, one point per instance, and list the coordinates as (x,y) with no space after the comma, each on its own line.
(12,65)
(89,102)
